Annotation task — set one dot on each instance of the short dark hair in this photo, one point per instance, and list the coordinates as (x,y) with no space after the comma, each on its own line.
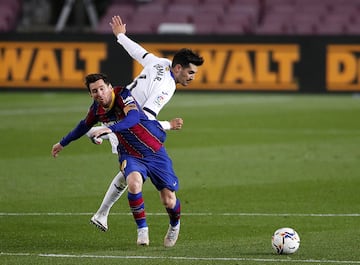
(186,56)
(92,78)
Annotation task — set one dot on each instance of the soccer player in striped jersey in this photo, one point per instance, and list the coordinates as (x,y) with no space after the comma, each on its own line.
(152,89)
(141,151)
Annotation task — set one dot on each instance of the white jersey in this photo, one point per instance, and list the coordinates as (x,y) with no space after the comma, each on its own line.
(152,88)
(155,85)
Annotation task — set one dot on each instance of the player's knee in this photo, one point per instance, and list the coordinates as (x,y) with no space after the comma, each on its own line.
(134,187)
(134,183)
(168,198)
(170,204)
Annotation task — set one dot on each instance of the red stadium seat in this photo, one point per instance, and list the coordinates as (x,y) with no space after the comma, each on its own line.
(274,29)
(297,17)
(231,29)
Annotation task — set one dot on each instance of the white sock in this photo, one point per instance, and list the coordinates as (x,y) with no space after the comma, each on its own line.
(116,189)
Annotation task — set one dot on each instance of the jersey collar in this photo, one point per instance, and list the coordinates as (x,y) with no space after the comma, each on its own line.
(172,75)
(112,101)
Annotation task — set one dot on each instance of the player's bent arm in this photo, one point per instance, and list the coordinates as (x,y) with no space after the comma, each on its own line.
(174,124)
(132,118)
(166,125)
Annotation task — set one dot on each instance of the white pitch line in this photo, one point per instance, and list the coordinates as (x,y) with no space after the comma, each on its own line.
(30,111)
(199,214)
(48,255)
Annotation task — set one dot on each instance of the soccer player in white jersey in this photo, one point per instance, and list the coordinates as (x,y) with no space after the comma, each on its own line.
(152,89)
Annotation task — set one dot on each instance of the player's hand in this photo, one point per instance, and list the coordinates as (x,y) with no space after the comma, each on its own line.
(176,123)
(56,149)
(101,131)
(117,25)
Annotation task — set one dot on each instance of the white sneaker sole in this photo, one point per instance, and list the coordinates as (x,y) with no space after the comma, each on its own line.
(98,224)
(142,243)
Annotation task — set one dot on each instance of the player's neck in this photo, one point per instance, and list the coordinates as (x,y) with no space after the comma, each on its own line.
(172,75)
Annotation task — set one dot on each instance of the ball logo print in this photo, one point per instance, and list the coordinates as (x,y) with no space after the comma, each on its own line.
(285,241)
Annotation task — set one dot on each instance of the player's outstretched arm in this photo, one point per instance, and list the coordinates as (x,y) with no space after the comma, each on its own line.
(133,49)
(117,26)
(56,149)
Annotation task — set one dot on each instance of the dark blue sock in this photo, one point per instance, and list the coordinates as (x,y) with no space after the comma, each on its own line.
(174,214)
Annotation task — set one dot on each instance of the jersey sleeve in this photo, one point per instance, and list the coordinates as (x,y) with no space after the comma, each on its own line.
(136,51)
(83,127)
(130,108)
(76,133)
(166,125)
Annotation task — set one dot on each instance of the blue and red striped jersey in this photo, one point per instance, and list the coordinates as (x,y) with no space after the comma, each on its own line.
(138,136)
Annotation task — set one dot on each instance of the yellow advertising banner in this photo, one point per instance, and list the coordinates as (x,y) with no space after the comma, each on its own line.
(238,66)
(303,65)
(49,64)
(343,68)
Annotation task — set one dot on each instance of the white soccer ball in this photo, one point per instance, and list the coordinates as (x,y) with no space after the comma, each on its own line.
(285,241)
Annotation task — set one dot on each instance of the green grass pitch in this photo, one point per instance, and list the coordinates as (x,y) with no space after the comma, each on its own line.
(248,164)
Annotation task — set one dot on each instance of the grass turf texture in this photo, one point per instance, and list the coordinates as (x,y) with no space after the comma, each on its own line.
(248,164)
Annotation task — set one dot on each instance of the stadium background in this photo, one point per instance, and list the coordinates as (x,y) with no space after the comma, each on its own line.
(249,45)
(249,163)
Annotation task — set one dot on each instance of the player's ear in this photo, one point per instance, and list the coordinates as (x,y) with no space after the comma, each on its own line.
(177,68)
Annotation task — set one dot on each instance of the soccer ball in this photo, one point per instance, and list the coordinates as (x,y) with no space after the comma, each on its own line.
(285,241)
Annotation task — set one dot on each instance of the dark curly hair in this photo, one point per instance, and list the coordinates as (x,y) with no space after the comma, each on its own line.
(186,56)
